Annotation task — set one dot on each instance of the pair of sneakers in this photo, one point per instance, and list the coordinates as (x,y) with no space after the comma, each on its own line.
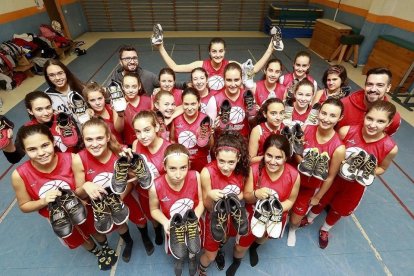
(315,164)
(138,165)
(295,137)
(312,118)
(267,217)
(79,106)
(108,211)
(66,211)
(276,33)
(157,35)
(67,129)
(184,235)
(229,206)
(5,125)
(203,133)
(225,109)
(359,166)
(118,101)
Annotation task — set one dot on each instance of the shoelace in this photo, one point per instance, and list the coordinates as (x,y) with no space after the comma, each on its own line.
(236,214)
(112,201)
(358,161)
(192,228)
(121,171)
(180,233)
(221,221)
(65,200)
(313,118)
(99,210)
(309,160)
(249,103)
(140,170)
(322,164)
(58,216)
(225,116)
(368,169)
(116,94)
(66,130)
(203,131)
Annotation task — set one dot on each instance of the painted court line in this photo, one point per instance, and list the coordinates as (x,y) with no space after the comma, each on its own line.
(402,170)
(371,245)
(118,252)
(3,216)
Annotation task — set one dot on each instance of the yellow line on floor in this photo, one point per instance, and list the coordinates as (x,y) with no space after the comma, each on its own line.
(8,210)
(118,252)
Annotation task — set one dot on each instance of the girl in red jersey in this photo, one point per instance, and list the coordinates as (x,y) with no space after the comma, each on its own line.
(167,83)
(173,194)
(137,101)
(224,176)
(190,130)
(215,64)
(150,145)
(269,120)
(301,68)
(362,143)
(323,154)
(37,182)
(272,176)
(232,94)
(269,86)
(94,94)
(334,79)
(199,78)
(299,110)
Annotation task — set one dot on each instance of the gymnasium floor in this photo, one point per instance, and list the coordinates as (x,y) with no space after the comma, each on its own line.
(378,239)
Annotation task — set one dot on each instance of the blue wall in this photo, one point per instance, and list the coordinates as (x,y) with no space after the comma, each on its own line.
(75,19)
(28,24)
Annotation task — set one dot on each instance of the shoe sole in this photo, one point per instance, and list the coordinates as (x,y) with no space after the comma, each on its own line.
(105,232)
(125,220)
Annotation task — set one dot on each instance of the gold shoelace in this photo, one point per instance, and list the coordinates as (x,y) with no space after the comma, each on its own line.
(180,233)
(192,228)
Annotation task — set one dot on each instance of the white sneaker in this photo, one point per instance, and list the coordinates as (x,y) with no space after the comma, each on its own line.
(157,35)
(79,106)
(117,97)
(274,224)
(261,215)
(366,173)
(291,239)
(349,168)
(248,74)
(276,33)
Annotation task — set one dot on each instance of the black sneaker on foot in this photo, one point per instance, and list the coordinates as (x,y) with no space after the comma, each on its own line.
(103,262)
(59,219)
(220,260)
(176,241)
(219,218)
(73,206)
(238,214)
(231,271)
(192,235)
(253,256)
(126,254)
(143,173)
(119,211)
(148,245)
(102,216)
(120,175)
(110,254)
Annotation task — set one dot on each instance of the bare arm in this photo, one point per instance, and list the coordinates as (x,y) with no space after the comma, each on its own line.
(172,135)
(262,61)
(254,144)
(248,190)
(386,162)
(288,203)
(156,212)
(199,210)
(317,97)
(119,121)
(178,68)
(343,131)
(84,188)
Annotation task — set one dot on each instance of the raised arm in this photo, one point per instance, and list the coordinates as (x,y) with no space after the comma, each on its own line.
(178,68)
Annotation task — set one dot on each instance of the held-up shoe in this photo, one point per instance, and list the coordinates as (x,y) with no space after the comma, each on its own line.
(249,103)
(225,109)
(176,243)
(118,101)
(219,218)
(203,132)
(67,129)
(163,128)
(119,211)
(321,168)
(288,110)
(323,239)
(312,118)
(79,106)
(366,173)
(59,219)
(261,215)
(73,206)
(192,235)
(120,175)
(157,35)
(5,125)
(238,214)
(248,74)
(276,33)
(309,161)
(287,132)
(297,139)
(102,216)
(349,168)
(140,168)
(274,224)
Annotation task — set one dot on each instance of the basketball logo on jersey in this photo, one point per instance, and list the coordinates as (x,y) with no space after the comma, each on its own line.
(187,139)
(237,115)
(216,82)
(181,206)
(153,169)
(103,179)
(231,189)
(203,108)
(59,144)
(53,185)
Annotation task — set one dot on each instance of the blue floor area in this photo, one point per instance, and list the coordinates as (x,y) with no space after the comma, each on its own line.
(29,246)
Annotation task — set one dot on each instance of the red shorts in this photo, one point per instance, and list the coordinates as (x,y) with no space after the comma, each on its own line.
(302,205)
(143,198)
(136,215)
(81,232)
(209,243)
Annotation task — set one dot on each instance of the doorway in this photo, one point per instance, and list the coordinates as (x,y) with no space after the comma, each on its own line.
(54,11)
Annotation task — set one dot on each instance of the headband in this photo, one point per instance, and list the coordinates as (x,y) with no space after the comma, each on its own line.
(174,154)
(228,148)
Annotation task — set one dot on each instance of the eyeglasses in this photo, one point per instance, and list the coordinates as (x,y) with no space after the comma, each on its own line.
(129,59)
(58,74)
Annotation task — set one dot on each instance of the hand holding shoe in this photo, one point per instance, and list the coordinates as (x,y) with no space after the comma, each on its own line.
(51,196)
(93,190)
(215,194)
(262,193)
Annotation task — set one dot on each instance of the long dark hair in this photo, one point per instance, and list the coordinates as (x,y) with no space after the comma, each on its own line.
(30,97)
(141,91)
(260,118)
(73,82)
(27,131)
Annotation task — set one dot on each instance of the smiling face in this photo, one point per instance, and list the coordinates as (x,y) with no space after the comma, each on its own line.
(131,87)
(96,100)
(57,76)
(376,86)
(176,167)
(329,116)
(145,131)
(39,148)
(41,110)
(233,81)
(273,72)
(376,121)
(199,80)
(274,159)
(167,82)
(275,114)
(96,140)
(217,52)
(129,61)
(303,96)
(301,66)
(190,105)
(166,105)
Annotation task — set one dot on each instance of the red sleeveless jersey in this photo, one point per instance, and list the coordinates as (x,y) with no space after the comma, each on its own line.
(96,171)
(110,123)
(130,111)
(231,184)
(177,96)
(262,94)
(172,202)
(204,102)
(154,160)
(300,117)
(38,183)
(265,132)
(287,80)
(215,76)
(328,147)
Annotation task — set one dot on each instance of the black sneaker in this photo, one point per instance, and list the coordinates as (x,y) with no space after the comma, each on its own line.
(238,214)
(323,239)
(120,175)
(79,106)
(67,129)
(119,211)
(349,168)
(287,132)
(73,206)
(59,219)
(102,216)
(176,242)
(225,109)
(219,218)
(249,103)
(366,174)
(297,139)
(309,161)
(220,260)
(322,166)
(192,235)
(143,173)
